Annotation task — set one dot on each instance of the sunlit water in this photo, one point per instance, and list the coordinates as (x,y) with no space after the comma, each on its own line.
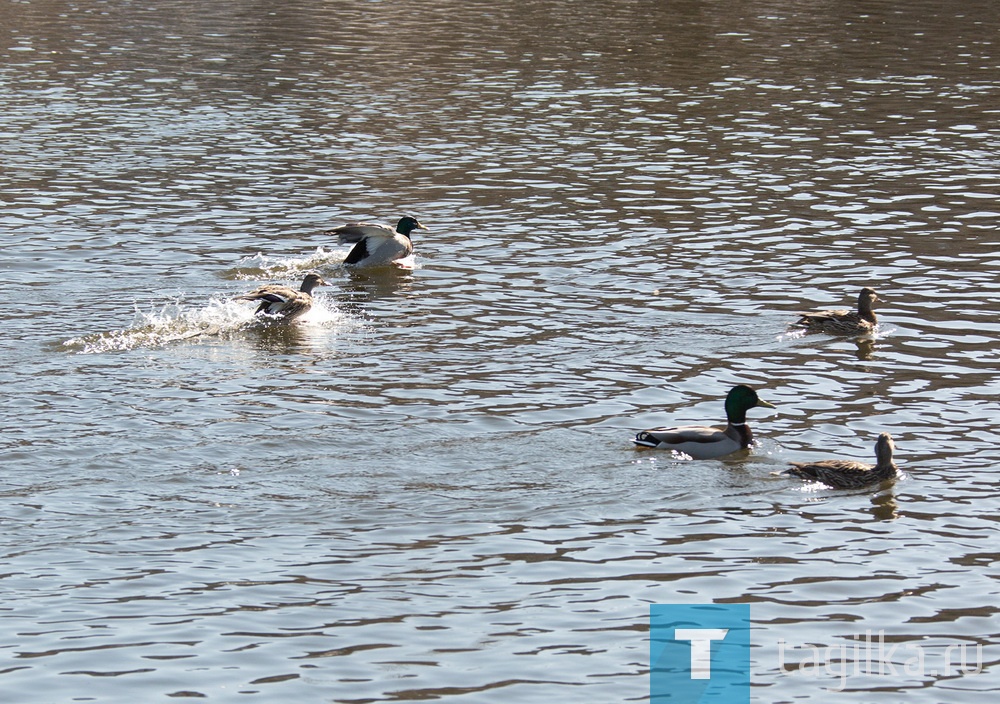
(426,489)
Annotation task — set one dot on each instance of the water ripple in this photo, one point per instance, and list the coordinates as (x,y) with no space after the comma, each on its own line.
(432,475)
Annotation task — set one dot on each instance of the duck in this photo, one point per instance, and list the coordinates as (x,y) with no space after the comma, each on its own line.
(284,301)
(844,322)
(376,244)
(703,442)
(849,474)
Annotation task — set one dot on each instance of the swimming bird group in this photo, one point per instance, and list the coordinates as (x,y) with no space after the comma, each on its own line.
(375,244)
(706,442)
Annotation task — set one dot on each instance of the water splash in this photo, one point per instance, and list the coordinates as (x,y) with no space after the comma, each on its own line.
(265,266)
(175,322)
(407,263)
(262,265)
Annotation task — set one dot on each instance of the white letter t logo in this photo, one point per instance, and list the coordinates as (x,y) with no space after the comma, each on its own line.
(701,648)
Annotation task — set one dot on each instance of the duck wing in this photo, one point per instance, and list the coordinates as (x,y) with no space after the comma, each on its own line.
(358,231)
(680,435)
(290,309)
(279,300)
(379,249)
(272,293)
(823,470)
(826,314)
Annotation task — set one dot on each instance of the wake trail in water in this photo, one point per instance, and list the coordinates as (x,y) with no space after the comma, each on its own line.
(262,265)
(175,322)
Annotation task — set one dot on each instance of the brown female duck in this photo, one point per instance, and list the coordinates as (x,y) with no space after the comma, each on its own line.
(284,301)
(844,322)
(848,474)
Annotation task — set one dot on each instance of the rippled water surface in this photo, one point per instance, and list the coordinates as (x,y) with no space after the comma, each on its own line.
(427,490)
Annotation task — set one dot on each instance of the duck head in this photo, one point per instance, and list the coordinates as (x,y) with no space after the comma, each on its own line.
(740,400)
(867,298)
(408,224)
(312,281)
(884,448)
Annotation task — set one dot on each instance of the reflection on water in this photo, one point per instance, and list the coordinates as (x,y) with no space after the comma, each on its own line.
(885,507)
(866,348)
(431,475)
(362,286)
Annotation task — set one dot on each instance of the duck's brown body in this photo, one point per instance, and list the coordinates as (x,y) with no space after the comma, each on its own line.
(844,322)
(284,301)
(848,474)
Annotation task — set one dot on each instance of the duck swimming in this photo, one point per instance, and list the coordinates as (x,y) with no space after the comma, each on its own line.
(702,442)
(844,322)
(848,474)
(285,301)
(376,244)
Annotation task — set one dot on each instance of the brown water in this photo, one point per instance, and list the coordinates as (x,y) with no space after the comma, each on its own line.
(432,477)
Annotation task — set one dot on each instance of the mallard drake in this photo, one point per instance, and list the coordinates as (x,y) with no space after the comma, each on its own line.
(848,474)
(376,244)
(844,322)
(702,442)
(285,301)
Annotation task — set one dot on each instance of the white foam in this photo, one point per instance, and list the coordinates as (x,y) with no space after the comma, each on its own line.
(176,322)
(262,265)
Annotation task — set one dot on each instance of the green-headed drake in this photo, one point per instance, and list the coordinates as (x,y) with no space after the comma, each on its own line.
(844,322)
(702,442)
(376,244)
(848,474)
(284,300)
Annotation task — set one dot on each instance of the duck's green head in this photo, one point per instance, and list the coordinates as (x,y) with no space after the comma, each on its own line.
(740,400)
(408,224)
